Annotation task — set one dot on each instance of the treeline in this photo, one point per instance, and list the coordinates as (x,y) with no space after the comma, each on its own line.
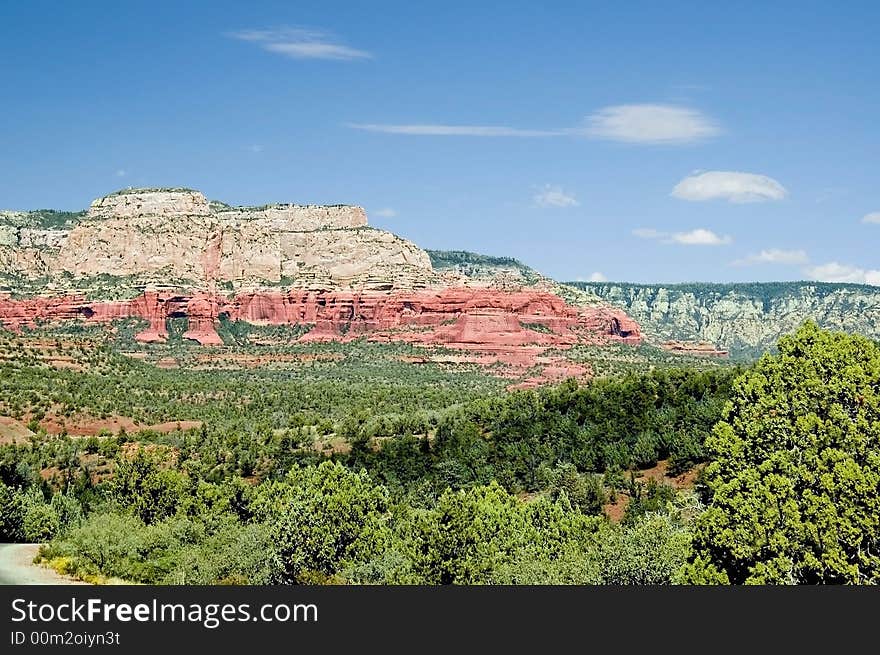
(326,524)
(213,506)
(520,439)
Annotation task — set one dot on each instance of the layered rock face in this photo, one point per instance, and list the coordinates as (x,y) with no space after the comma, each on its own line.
(460,317)
(177,238)
(168,203)
(162,254)
(743,318)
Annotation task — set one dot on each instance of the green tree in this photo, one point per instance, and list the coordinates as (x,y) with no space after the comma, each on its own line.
(486,535)
(146,485)
(585,492)
(107,542)
(792,492)
(469,534)
(41,522)
(323,519)
(12,511)
(650,550)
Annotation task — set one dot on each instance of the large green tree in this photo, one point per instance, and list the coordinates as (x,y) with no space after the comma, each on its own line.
(793,490)
(323,519)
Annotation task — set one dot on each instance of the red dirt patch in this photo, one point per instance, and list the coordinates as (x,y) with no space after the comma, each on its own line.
(660,474)
(615,511)
(83,425)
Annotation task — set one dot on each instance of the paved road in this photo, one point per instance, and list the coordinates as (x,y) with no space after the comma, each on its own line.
(16,567)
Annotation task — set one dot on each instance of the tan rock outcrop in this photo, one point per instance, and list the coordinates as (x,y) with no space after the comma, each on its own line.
(160,203)
(177,238)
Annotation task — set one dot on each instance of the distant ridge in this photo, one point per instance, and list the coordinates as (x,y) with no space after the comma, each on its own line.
(746,318)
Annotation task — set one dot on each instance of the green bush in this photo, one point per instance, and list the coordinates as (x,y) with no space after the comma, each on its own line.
(792,488)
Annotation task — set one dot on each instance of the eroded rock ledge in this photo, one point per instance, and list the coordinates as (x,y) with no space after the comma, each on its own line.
(516,329)
(178,237)
(459,316)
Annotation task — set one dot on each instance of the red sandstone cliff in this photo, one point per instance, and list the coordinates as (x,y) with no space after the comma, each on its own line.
(514,329)
(462,316)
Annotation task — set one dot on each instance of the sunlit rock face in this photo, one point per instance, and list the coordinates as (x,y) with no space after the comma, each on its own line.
(166,254)
(178,238)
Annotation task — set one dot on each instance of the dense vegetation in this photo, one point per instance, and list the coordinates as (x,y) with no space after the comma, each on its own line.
(794,485)
(476,265)
(450,258)
(353,474)
(43,219)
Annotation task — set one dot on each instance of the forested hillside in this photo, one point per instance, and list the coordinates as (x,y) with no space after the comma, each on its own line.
(416,481)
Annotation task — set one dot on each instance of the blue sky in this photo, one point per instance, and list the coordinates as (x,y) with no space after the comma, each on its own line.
(641,141)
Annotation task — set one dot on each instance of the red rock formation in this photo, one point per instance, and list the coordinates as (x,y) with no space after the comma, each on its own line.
(150,307)
(492,315)
(512,328)
(202,312)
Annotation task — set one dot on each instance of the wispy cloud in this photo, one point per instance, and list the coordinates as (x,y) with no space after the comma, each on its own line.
(255,148)
(836,272)
(774,256)
(873,217)
(121,172)
(452,130)
(646,124)
(651,124)
(696,237)
(301,43)
(554,196)
(385,212)
(729,185)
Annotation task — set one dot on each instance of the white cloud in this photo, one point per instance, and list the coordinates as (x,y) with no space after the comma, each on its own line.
(121,172)
(729,185)
(774,256)
(836,272)
(554,196)
(598,277)
(255,148)
(451,130)
(385,212)
(653,124)
(301,43)
(647,123)
(697,237)
(873,217)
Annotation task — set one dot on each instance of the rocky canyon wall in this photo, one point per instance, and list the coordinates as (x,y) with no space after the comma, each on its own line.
(743,318)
